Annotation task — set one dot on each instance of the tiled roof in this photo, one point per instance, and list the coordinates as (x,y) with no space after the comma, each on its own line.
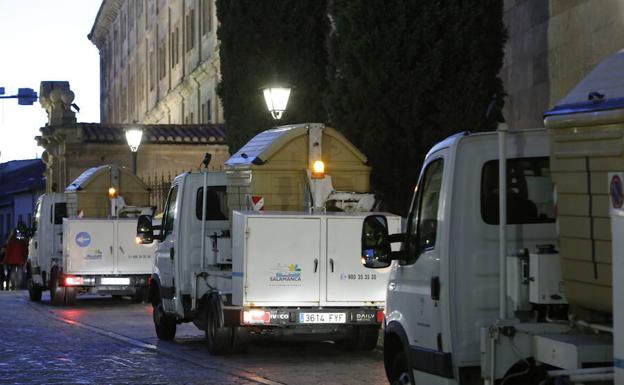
(155,133)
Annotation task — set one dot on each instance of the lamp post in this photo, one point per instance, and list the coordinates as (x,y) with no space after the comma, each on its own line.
(133,137)
(276,99)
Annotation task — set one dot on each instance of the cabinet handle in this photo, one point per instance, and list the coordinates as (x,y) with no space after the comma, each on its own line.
(331,264)
(315,264)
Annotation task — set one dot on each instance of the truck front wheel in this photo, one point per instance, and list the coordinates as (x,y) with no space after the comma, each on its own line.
(397,372)
(164,324)
(218,337)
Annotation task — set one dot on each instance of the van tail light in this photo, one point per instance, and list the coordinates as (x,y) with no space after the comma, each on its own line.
(71,280)
(256,317)
(381,314)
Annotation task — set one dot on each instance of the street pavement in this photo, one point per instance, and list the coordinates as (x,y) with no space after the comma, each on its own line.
(107,341)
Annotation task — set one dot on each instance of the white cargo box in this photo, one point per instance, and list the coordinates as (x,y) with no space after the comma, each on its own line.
(294,259)
(104,246)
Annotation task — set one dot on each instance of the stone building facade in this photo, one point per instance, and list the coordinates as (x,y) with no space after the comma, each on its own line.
(552,45)
(159,61)
(165,151)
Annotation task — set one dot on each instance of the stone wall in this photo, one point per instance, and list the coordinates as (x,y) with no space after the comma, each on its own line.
(552,45)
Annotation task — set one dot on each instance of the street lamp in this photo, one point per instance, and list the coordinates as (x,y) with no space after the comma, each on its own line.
(276,99)
(133,137)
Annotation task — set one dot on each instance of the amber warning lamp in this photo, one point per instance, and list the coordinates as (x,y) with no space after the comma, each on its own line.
(112,193)
(318,170)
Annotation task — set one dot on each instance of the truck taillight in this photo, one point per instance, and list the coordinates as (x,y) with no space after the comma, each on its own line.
(70,280)
(381,314)
(256,317)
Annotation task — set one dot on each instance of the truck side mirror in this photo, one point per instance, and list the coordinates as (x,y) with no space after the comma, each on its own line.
(145,231)
(376,251)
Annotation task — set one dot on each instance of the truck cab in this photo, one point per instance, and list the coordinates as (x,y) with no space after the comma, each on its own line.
(444,283)
(46,245)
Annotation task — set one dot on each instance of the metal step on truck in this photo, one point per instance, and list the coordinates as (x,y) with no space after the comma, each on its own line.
(84,239)
(510,270)
(254,250)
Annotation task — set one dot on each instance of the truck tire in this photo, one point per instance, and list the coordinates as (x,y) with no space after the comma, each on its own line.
(140,294)
(362,338)
(70,296)
(57,293)
(164,324)
(367,337)
(34,291)
(218,337)
(398,373)
(240,340)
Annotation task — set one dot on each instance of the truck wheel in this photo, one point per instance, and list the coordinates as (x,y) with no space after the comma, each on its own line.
(34,291)
(240,340)
(164,324)
(398,373)
(70,296)
(362,338)
(219,337)
(367,337)
(140,294)
(57,293)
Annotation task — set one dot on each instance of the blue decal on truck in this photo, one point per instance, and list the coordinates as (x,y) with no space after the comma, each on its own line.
(83,239)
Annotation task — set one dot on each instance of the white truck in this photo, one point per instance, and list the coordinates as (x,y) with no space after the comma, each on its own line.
(538,299)
(284,273)
(70,255)
(472,302)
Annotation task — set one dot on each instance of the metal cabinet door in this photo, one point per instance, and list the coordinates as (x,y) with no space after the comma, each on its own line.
(283,260)
(89,246)
(132,258)
(347,279)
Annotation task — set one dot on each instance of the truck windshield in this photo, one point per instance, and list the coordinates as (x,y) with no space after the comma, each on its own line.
(170,210)
(422,225)
(37,216)
(529,191)
(216,203)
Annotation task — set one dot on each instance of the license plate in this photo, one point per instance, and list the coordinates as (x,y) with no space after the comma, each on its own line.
(322,318)
(115,281)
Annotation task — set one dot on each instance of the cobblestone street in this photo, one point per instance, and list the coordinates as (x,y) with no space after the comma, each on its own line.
(106,341)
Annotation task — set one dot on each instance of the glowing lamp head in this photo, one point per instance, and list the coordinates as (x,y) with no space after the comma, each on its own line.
(133,137)
(112,193)
(276,99)
(318,170)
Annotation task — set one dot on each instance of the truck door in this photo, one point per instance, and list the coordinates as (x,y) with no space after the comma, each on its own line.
(347,279)
(132,258)
(414,287)
(166,250)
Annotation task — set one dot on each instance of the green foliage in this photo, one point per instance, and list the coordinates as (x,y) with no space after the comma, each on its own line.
(394,76)
(404,74)
(268,41)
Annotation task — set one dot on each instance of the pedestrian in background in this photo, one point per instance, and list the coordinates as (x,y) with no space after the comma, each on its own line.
(16,250)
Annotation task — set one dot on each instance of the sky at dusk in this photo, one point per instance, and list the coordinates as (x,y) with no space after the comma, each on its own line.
(44,40)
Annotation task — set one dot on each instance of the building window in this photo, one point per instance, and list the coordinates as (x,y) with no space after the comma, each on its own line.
(173,47)
(206,16)
(208,111)
(140,83)
(124,24)
(190,30)
(152,68)
(162,59)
